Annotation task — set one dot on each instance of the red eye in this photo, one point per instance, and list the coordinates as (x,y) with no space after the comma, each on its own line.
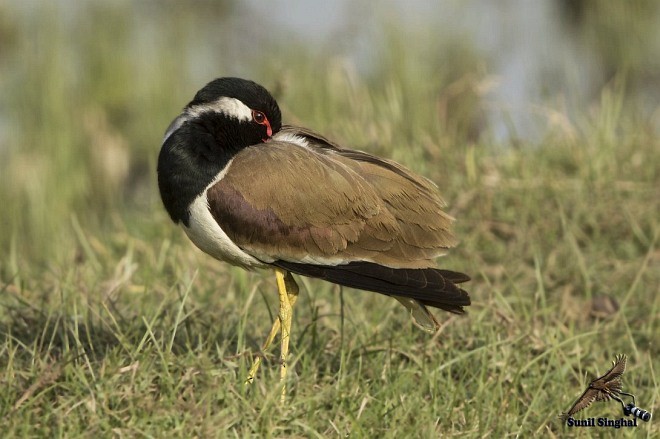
(261,119)
(258,117)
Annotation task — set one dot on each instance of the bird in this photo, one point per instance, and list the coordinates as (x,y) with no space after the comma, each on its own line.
(255,193)
(604,388)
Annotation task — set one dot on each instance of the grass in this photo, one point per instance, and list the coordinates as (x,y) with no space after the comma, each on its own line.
(113,324)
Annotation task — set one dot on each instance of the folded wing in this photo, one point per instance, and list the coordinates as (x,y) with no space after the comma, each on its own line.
(345,216)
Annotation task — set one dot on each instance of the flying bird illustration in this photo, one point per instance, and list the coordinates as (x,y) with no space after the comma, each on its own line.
(604,388)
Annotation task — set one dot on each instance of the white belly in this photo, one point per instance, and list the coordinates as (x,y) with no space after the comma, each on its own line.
(205,232)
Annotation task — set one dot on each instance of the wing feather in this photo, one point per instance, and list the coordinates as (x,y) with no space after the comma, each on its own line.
(584,401)
(413,200)
(284,201)
(617,369)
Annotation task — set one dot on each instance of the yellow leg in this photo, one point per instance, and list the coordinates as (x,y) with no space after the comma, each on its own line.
(257,361)
(287,288)
(286,313)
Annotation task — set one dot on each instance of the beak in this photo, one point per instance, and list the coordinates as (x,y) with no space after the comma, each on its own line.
(269,132)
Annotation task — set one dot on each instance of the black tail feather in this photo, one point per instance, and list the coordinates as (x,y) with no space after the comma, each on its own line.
(430,286)
(455,276)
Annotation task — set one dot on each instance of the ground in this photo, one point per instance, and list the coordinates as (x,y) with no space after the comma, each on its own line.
(113,324)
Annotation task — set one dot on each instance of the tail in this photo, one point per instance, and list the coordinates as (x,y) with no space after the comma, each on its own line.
(430,286)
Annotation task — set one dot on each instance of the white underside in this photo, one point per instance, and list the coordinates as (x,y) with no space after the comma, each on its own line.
(206,234)
(320,260)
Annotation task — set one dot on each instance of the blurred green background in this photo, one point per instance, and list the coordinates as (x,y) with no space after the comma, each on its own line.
(87,88)
(538,120)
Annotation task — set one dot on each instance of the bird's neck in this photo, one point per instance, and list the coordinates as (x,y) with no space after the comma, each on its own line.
(189,160)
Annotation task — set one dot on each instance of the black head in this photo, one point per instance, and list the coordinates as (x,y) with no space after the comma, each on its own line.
(239,100)
(248,92)
(226,116)
(236,112)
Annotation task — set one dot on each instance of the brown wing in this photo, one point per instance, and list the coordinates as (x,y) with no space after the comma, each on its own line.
(280,201)
(618,368)
(320,142)
(413,200)
(584,401)
(304,207)
(283,201)
(611,380)
(417,209)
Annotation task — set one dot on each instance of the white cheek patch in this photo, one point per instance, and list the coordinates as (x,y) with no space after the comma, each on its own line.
(231,107)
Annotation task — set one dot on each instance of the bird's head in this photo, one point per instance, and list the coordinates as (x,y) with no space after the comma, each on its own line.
(236,112)
(225,117)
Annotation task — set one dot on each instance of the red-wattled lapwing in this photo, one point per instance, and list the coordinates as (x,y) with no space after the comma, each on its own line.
(257,194)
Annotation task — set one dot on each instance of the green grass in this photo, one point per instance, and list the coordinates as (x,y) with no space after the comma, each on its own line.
(113,324)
